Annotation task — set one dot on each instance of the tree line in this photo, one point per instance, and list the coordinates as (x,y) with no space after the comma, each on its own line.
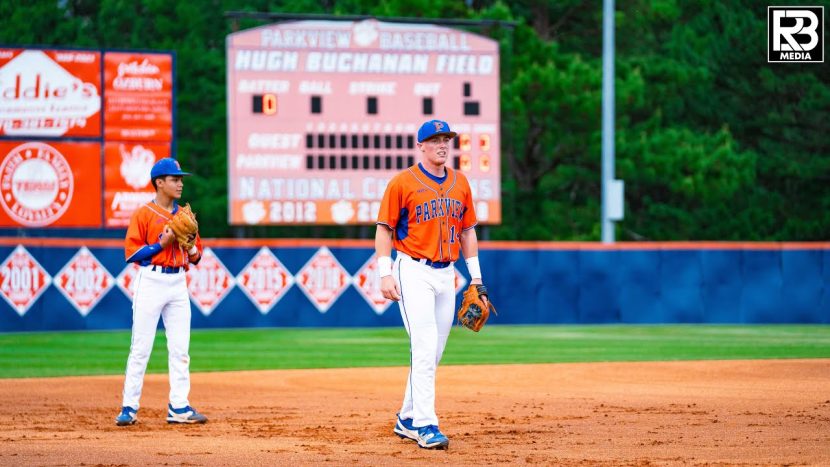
(713,142)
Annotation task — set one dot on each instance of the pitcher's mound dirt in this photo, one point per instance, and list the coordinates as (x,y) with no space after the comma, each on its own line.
(710,412)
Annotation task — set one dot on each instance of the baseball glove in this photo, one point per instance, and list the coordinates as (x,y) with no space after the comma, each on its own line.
(475,308)
(184,226)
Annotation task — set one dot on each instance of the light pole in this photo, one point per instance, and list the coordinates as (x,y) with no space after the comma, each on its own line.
(612,190)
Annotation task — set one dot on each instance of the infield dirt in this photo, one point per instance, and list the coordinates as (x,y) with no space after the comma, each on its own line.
(761,412)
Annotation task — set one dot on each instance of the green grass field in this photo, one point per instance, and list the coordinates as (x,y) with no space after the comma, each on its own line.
(97,353)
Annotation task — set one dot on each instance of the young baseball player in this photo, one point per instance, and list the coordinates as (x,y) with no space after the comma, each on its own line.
(160,290)
(427,215)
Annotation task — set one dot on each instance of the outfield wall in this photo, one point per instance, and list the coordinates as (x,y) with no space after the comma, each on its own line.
(64,284)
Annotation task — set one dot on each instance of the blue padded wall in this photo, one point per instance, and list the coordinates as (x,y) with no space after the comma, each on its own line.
(546,283)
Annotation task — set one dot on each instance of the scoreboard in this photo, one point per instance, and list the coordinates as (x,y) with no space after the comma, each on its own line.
(322,114)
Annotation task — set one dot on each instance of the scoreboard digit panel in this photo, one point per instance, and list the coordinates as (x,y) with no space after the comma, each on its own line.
(322,114)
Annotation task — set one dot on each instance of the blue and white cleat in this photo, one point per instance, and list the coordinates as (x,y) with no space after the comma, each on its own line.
(405,429)
(186,414)
(429,437)
(128,416)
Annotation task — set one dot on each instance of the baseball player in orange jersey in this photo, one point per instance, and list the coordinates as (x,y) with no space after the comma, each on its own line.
(160,290)
(427,215)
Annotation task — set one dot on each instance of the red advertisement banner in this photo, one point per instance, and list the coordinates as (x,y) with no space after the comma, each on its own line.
(127,178)
(50,93)
(138,96)
(54,184)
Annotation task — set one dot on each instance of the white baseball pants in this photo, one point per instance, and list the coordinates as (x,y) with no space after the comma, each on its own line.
(156,294)
(427,307)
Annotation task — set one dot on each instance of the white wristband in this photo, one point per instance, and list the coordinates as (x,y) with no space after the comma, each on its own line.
(193,250)
(473,267)
(384,266)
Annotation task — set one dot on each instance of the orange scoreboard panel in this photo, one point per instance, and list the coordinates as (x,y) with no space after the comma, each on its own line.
(322,114)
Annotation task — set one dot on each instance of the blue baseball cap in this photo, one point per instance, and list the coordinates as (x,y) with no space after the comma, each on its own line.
(434,127)
(167,166)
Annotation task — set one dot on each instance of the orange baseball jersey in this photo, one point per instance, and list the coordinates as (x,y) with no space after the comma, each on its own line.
(146,225)
(427,217)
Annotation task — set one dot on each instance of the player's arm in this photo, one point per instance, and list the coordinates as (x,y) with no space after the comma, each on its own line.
(195,253)
(136,248)
(469,239)
(383,251)
(469,248)
(388,217)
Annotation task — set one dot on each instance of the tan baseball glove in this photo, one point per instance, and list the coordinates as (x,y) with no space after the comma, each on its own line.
(475,308)
(184,226)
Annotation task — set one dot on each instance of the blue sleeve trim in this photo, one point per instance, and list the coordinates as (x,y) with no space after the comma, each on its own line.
(402,229)
(470,227)
(146,252)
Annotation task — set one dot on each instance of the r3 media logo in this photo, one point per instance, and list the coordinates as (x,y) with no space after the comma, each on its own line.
(795,34)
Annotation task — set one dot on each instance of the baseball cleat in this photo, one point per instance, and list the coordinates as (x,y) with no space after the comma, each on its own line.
(405,429)
(429,437)
(128,416)
(186,414)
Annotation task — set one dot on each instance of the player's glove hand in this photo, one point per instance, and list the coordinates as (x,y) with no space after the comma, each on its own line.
(475,308)
(184,226)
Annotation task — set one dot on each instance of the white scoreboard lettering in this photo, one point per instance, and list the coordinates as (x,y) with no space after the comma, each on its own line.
(321,114)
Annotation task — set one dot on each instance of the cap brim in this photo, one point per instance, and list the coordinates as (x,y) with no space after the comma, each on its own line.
(451,134)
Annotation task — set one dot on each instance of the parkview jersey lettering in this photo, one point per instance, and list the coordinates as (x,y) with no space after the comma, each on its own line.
(146,226)
(427,214)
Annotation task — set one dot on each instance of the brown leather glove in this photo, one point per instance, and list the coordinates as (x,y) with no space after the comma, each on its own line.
(184,227)
(475,308)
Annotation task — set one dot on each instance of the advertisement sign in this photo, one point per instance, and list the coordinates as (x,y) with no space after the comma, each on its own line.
(209,282)
(84,281)
(367,283)
(126,279)
(50,93)
(50,184)
(22,280)
(138,103)
(127,178)
(322,114)
(323,279)
(265,280)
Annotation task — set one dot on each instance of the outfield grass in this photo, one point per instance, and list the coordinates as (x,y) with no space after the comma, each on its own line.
(96,353)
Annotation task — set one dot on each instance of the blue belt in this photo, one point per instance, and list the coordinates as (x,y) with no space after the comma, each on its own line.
(167,269)
(433,264)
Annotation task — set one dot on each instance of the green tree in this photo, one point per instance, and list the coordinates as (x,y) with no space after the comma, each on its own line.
(712,141)
(705,65)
